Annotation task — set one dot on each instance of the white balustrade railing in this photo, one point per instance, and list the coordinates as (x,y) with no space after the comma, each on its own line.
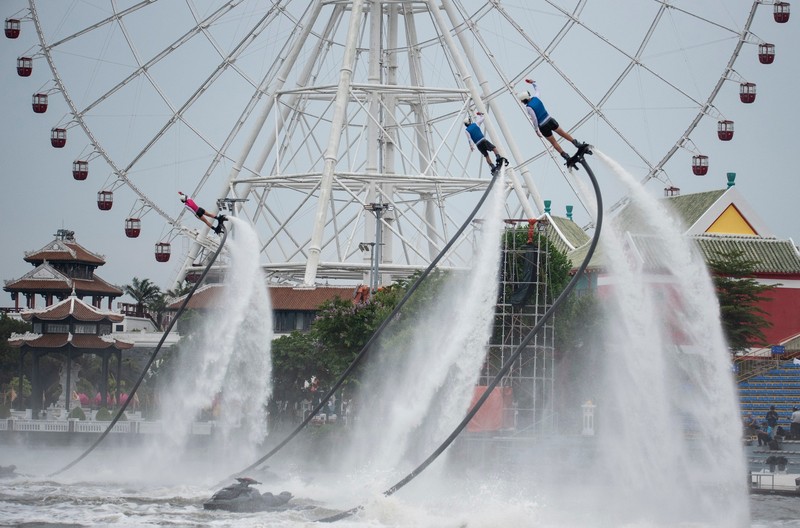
(91,426)
(99,427)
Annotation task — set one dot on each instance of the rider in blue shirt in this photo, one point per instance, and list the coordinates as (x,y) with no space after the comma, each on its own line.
(545,123)
(477,139)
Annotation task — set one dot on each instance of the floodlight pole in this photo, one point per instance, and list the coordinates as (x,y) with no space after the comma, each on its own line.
(377,209)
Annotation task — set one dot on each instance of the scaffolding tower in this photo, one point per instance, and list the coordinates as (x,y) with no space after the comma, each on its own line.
(523,299)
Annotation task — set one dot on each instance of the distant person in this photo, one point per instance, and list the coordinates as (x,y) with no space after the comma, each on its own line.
(750,425)
(477,139)
(772,420)
(202,214)
(762,435)
(544,123)
(794,427)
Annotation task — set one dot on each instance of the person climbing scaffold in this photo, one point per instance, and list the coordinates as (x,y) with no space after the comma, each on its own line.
(477,139)
(202,214)
(544,123)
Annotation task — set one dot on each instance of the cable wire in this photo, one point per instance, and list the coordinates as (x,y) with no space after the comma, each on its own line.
(577,158)
(376,334)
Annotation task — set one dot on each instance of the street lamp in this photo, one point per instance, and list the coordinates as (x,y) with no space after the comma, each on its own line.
(375,255)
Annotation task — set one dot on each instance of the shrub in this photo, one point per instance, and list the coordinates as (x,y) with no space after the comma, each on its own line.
(78,413)
(103,415)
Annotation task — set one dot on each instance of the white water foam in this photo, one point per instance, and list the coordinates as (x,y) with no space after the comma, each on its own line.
(670,433)
(228,356)
(420,383)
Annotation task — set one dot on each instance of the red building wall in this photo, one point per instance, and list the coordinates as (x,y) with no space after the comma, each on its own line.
(783,307)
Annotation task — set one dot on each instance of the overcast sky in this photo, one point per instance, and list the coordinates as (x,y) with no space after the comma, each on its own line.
(40,196)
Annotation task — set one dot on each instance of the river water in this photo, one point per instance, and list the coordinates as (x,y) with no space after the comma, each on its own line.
(117,487)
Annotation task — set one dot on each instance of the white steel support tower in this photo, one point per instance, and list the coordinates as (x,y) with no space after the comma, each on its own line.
(354,115)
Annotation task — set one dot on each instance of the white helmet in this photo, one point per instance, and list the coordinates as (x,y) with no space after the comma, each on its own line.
(524,96)
(468,120)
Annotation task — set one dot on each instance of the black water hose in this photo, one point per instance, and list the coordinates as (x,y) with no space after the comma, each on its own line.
(578,158)
(152,358)
(376,334)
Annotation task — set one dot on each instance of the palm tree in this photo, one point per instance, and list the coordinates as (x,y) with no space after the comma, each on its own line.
(180,290)
(144,292)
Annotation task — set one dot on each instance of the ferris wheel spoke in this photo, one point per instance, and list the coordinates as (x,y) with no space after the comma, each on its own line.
(251,121)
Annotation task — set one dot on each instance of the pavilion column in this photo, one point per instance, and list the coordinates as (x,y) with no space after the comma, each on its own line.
(67,393)
(20,405)
(119,373)
(36,393)
(104,382)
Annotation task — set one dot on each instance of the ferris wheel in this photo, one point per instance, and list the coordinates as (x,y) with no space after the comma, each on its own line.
(336,128)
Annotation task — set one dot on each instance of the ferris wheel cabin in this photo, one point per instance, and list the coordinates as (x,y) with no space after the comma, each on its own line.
(12,27)
(39,103)
(133,227)
(24,66)
(700,165)
(58,137)
(747,92)
(766,53)
(163,251)
(725,130)
(80,170)
(780,13)
(105,199)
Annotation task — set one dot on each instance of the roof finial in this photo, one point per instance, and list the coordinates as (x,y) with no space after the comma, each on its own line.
(65,234)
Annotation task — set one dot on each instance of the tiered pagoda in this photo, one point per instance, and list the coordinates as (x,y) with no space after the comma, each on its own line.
(61,268)
(70,328)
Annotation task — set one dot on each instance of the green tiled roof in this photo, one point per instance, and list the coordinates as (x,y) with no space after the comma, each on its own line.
(687,208)
(577,256)
(772,255)
(690,207)
(571,231)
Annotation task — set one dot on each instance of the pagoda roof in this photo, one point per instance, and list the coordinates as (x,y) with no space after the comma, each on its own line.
(44,278)
(282,297)
(80,341)
(64,251)
(71,307)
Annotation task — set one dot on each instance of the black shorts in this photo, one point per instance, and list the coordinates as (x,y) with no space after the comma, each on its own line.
(485,146)
(200,212)
(548,127)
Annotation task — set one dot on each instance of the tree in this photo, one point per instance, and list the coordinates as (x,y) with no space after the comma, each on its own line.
(739,295)
(143,292)
(180,290)
(158,307)
(337,335)
(9,356)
